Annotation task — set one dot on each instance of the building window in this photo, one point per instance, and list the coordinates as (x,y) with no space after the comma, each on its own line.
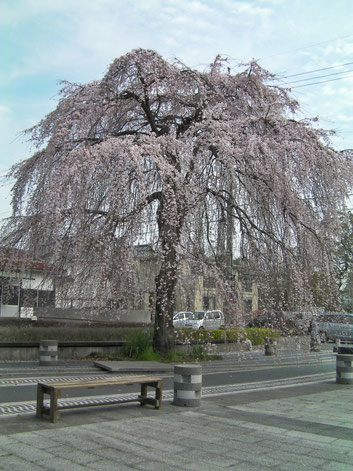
(46,298)
(10,295)
(247,305)
(246,284)
(209,282)
(209,302)
(37,298)
(29,298)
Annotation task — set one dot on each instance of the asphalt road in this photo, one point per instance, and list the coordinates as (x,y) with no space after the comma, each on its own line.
(19,384)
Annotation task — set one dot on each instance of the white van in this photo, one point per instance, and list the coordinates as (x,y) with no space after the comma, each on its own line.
(206,320)
(180,318)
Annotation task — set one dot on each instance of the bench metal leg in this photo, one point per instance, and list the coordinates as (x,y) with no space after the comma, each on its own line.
(54,414)
(159,392)
(157,401)
(143,396)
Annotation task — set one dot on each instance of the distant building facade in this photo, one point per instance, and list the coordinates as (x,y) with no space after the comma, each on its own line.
(25,284)
(29,287)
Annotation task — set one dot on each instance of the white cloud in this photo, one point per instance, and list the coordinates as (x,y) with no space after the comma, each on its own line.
(344,118)
(197,7)
(328,90)
(273,2)
(248,8)
(77,39)
(85,37)
(187,21)
(4,109)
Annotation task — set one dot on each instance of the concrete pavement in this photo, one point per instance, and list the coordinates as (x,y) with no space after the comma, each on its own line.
(304,427)
(301,427)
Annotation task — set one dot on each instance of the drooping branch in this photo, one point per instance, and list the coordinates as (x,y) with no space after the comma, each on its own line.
(157,153)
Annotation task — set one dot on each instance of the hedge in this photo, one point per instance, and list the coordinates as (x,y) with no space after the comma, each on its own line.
(256,335)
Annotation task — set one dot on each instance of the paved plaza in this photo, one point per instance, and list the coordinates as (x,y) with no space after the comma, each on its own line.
(301,427)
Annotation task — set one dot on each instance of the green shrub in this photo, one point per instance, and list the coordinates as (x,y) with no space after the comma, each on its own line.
(138,339)
(138,343)
(199,352)
(174,357)
(203,352)
(255,335)
(148,355)
(188,336)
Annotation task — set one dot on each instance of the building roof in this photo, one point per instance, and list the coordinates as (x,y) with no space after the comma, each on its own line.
(15,259)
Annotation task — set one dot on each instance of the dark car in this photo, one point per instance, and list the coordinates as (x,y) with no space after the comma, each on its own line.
(275,320)
(331,326)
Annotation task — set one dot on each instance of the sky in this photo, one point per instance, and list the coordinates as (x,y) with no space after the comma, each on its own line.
(308,44)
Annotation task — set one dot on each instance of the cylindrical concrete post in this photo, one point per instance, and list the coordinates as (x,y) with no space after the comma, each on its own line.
(314,343)
(336,345)
(48,352)
(345,349)
(344,364)
(270,346)
(187,385)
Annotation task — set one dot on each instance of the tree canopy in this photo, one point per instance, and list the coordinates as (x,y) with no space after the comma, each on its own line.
(197,164)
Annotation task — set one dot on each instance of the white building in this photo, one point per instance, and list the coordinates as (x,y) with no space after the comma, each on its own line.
(25,284)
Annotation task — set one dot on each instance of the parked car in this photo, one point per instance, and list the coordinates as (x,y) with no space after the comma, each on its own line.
(180,318)
(206,320)
(332,326)
(276,320)
(304,320)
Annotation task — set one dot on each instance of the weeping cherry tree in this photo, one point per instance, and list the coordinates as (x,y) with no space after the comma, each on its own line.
(153,152)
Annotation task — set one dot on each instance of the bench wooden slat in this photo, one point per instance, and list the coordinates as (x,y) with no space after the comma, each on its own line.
(72,384)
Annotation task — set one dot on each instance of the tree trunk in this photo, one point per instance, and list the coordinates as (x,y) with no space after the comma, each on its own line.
(163,339)
(166,280)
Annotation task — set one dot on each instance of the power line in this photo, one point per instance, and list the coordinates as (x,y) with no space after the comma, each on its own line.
(307,47)
(317,70)
(321,76)
(322,81)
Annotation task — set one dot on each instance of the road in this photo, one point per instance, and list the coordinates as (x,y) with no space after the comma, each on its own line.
(236,372)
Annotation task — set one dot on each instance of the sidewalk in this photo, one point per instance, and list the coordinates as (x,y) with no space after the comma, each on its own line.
(306,427)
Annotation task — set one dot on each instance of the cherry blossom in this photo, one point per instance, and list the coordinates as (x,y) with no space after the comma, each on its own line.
(204,166)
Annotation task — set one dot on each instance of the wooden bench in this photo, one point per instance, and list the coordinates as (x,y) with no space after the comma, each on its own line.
(53,389)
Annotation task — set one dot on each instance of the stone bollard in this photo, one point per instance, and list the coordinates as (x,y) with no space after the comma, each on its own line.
(314,343)
(270,346)
(48,352)
(337,345)
(187,385)
(344,364)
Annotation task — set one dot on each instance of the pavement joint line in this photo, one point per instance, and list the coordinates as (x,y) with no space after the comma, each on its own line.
(257,366)
(29,407)
(263,388)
